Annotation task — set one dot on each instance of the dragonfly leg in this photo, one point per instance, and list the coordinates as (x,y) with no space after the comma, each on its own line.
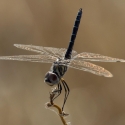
(59,90)
(67,90)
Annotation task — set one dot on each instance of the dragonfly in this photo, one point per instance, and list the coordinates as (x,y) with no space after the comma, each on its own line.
(62,59)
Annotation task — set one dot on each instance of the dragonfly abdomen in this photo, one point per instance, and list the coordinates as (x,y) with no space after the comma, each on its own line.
(73,36)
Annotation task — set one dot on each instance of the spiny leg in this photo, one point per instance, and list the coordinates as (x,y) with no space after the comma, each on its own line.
(66,92)
(65,95)
(67,87)
(59,90)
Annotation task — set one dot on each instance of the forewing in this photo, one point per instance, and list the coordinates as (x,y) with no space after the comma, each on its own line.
(96,57)
(57,52)
(37,49)
(89,67)
(31,58)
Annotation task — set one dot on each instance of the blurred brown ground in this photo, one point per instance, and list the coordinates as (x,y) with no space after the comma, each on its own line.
(93,100)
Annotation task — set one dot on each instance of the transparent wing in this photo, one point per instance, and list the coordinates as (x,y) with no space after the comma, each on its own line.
(31,58)
(96,57)
(89,67)
(57,52)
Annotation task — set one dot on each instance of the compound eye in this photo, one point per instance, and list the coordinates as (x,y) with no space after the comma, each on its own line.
(53,78)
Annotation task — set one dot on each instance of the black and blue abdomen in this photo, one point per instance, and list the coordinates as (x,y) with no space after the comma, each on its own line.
(73,36)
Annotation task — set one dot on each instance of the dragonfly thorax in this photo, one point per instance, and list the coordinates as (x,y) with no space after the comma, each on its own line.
(59,69)
(56,73)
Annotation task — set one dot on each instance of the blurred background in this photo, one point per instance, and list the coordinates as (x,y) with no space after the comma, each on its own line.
(93,100)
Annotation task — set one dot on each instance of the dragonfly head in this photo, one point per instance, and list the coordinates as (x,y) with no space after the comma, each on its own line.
(51,78)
